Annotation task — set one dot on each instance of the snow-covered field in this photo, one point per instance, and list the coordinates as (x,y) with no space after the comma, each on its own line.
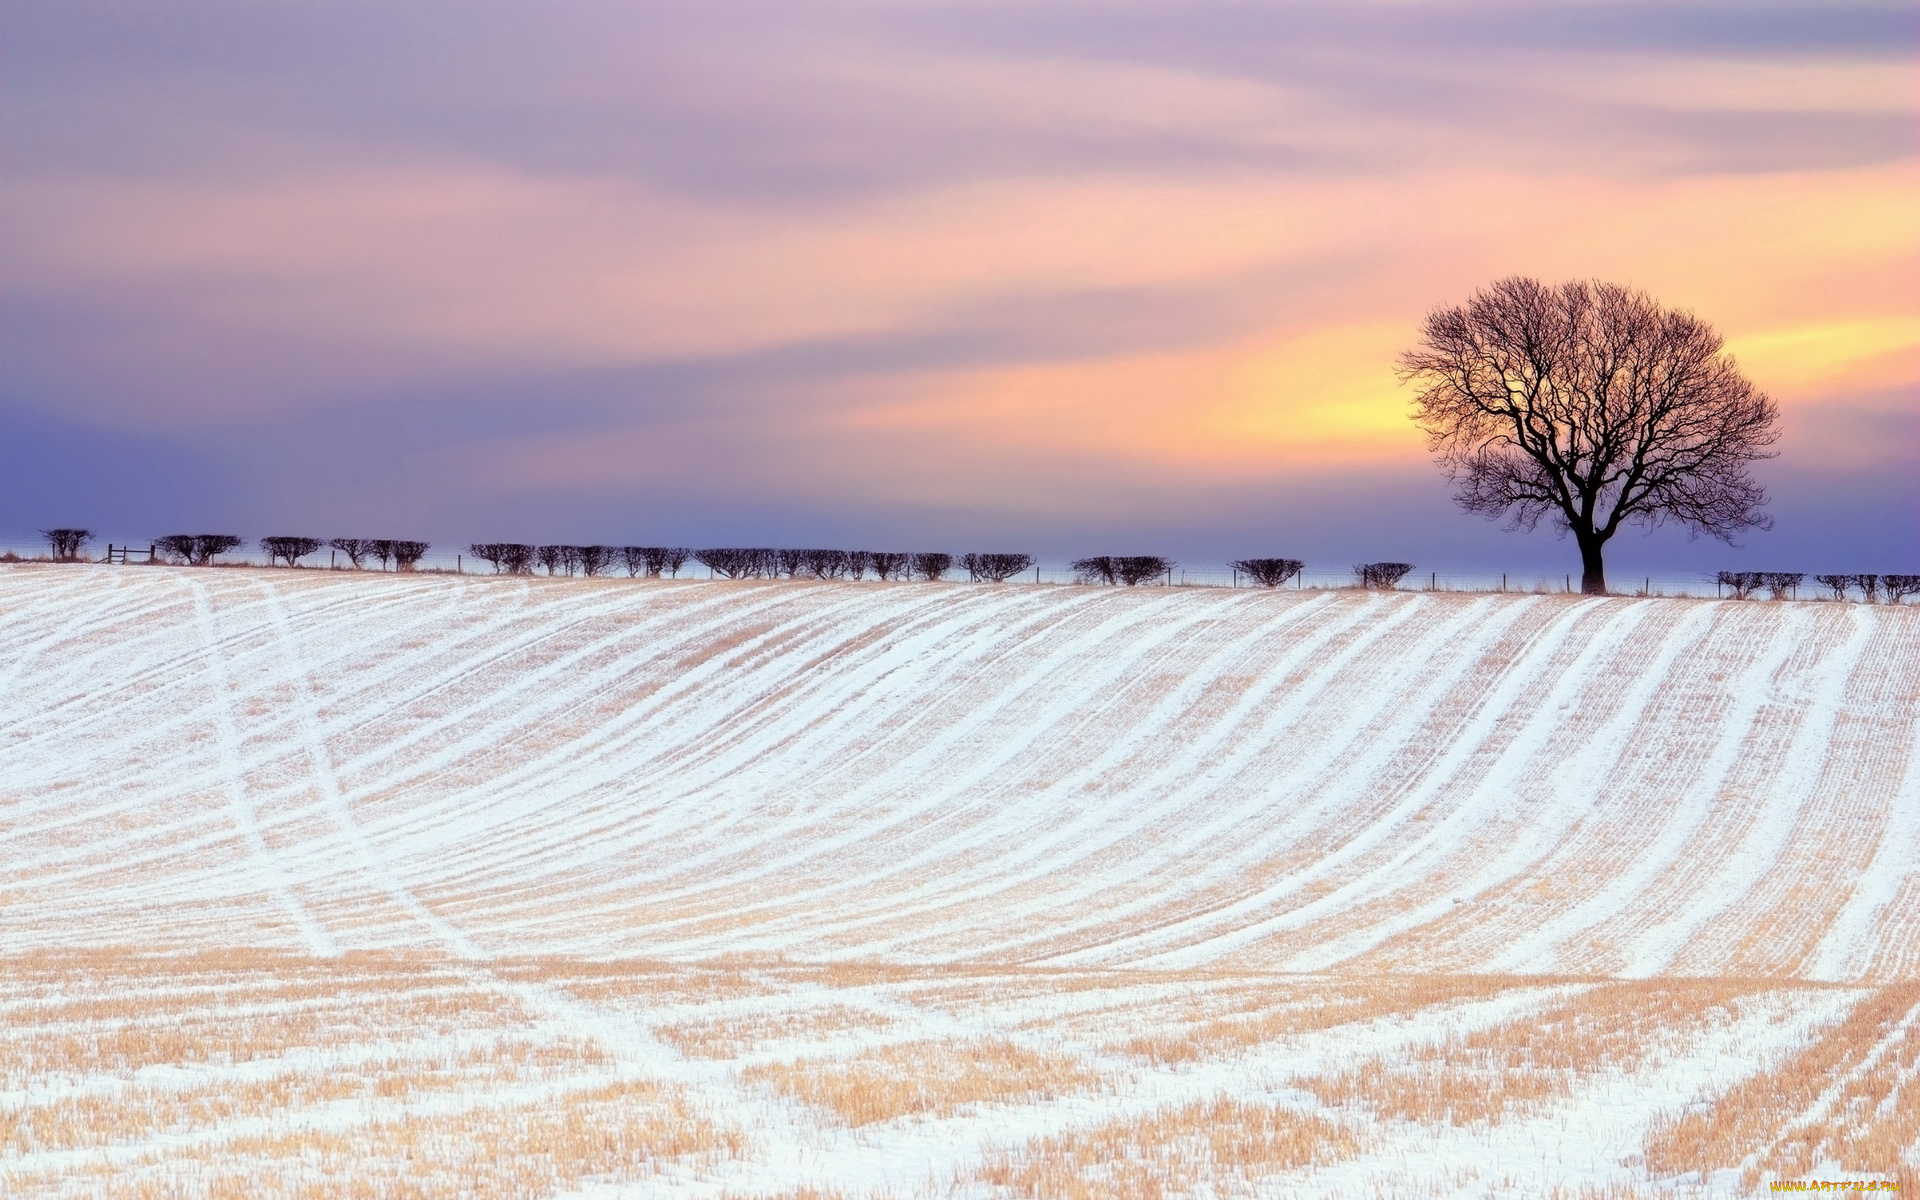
(325,884)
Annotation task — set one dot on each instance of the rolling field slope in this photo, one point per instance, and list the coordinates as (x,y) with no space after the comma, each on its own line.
(1059,776)
(1390,887)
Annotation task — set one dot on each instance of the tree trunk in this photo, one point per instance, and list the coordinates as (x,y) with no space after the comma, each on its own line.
(1593,574)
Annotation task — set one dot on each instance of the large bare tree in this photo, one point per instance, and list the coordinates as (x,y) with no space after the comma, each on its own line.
(1592,405)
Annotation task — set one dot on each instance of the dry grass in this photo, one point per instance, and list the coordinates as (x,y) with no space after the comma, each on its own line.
(227,967)
(1310,1007)
(368,1076)
(643,983)
(925,1079)
(1519,1066)
(627,1131)
(732,1037)
(1849,1098)
(134,1114)
(227,1038)
(964,989)
(193,1001)
(1214,1147)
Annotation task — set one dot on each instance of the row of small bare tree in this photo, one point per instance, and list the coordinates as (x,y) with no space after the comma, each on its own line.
(200,549)
(1272,572)
(750,562)
(746,562)
(1131,570)
(516,558)
(760,562)
(1779,584)
(402,555)
(520,558)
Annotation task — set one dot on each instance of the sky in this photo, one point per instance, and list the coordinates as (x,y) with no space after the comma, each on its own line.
(1066,277)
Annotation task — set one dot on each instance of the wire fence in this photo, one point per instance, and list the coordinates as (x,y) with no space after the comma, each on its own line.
(1053,573)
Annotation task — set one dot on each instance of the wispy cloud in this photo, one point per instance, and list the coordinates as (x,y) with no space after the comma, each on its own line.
(929,259)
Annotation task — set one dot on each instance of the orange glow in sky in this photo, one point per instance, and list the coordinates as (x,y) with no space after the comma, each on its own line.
(939,259)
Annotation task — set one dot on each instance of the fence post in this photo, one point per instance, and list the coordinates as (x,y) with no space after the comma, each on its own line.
(459,564)
(1433,581)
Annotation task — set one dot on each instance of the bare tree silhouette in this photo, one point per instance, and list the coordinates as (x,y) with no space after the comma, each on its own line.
(1268,572)
(1136,569)
(995,568)
(1779,583)
(1099,569)
(1593,406)
(823,564)
(1129,569)
(65,543)
(1382,575)
(289,550)
(729,562)
(931,565)
(196,549)
(490,552)
(594,559)
(407,555)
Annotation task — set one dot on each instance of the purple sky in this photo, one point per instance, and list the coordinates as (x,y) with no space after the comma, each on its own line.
(1066,278)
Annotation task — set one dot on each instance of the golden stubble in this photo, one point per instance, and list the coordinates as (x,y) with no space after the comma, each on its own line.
(1218,1146)
(624,1131)
(1288,1009)
(1520,1066)
(1848,1098)
(925,1078)
(138,1113)
(728,1038)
